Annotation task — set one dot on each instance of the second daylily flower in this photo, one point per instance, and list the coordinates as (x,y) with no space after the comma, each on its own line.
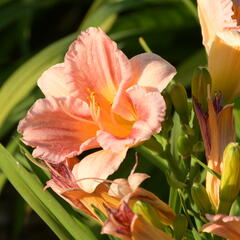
(97,98)
(220,23)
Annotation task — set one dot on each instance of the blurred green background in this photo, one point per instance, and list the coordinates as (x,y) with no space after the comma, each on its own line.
(35,34)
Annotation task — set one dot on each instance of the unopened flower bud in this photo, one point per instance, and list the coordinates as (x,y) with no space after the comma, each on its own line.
(201,199)
(148,213)
(178,96)
(200,81)
(168,102)
(180,226)
(230,180)
(184,146)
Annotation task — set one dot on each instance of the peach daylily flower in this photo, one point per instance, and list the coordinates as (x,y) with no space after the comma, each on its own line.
(223,225)
(97,98)
(105,195)
(220,23)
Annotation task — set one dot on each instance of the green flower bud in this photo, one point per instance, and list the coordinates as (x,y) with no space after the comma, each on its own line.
(180,226)
(148,213)
(230,180)
(167,125)
(201,199)
(184,145)
(179,99)
(200,81)
(168,104)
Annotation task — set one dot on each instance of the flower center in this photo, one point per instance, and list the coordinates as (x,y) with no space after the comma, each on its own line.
(105,118)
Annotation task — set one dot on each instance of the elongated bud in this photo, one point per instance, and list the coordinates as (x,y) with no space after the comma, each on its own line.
(167,124)
(180,226)
(200,197)
(230,180)
(178,96)
(200,81)
(148,213)
(168,102)
(184,146)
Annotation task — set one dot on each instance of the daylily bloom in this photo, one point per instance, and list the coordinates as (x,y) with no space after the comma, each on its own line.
(220,23)
(217,16)
(123,223)
(217,129)
(97,98)
(68,185)
(223,225)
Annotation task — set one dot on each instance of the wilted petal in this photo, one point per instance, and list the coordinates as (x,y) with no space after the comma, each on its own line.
(59,128)
(53,82)
(85,201)
(119,222)
(224,65)
(93,169)
(203,124)
(136,179)
(150,70)
(121,187)
(93,63)
(70,198)
(150,113)
(224,226)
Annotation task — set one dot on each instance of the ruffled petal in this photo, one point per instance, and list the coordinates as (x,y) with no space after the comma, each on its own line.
(59,128)
(94,64)
(217,16)
(93,169)
(224,64)
(150,70)
(53,82)
(150,109)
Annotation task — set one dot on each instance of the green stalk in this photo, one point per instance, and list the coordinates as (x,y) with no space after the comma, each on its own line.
(25,182)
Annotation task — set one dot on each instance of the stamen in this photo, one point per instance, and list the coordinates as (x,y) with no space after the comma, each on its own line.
(73,116)
(94,106)
(96,179)
(100,180)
